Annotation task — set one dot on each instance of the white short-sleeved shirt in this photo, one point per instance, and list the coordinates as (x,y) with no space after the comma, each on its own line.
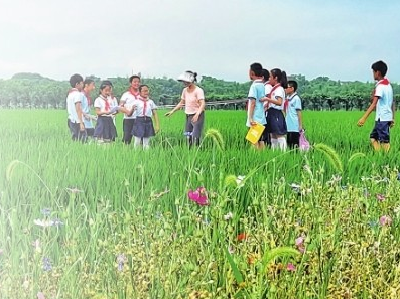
(74,96)
(127,100)
(292,119)
(384,91)
(192,99)
(278,92)
(268,88)
(86,110)
(144,107)
(105,104)
(256,92)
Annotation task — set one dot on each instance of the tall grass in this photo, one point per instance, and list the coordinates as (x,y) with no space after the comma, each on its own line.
(129,230)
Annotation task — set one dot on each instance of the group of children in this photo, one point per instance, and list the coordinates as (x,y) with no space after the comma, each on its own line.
(135,104)
(138,109)
(274,103)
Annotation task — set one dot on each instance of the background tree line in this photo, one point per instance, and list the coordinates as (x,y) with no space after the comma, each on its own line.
(30,90)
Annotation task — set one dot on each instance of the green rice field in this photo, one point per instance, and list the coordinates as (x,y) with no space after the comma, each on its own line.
(110,221)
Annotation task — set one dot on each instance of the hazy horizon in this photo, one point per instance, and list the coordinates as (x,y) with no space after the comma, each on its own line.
(337,39)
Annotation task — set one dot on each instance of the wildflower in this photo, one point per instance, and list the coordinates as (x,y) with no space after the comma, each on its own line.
(45,211)
(240,180)
(74,190)
(372,223)
(380,197)
(299,242)
(121,260)
(241,237)
(36,245)
(290,267)
(46,264)
(385,220)
(199,196)
(40,295)
(228,216)
(48,223)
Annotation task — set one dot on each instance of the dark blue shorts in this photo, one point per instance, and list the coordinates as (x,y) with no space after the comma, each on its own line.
(381,131)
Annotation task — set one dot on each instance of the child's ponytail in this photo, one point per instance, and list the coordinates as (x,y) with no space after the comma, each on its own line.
(284,80)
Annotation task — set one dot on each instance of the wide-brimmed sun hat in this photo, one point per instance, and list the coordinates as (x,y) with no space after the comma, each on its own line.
(186,77)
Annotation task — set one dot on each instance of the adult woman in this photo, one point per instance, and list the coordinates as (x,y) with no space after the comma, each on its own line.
(194,101)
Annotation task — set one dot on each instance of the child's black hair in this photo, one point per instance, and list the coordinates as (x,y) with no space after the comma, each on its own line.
(134,77)
(143,85)
(292,83)
(265,74)
(380,66)
(87,82)
(281,76)
(75,79)
(256,68)
(104,84)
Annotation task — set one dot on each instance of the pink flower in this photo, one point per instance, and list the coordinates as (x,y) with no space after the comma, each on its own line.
(385,220)
(40,295)
(380,197)
(290,267)
(299,242)
(199,196)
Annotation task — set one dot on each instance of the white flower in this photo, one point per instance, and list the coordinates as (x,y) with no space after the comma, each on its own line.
(240,180)
(228,216)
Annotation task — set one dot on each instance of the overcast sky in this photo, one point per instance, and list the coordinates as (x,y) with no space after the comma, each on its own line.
(220,38)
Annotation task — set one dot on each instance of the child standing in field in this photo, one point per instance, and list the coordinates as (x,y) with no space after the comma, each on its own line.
(385,108)
(74,108)
(194,101)
(276,124)
(88,87)
(144,110)
(268,88)
(126,103)
(293,115)
(255,112)
(106,107)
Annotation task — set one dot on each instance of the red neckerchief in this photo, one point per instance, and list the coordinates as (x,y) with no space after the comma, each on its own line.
(144,105)
(285,107)
(134,93)
(106,103)
(384,81)
(272,90)
(89,99)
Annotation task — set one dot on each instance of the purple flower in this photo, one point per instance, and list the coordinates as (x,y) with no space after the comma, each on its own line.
(45,211)
(199,196)
(46,264)
(385,220)
(372,223)
(380,197)
(121,260)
